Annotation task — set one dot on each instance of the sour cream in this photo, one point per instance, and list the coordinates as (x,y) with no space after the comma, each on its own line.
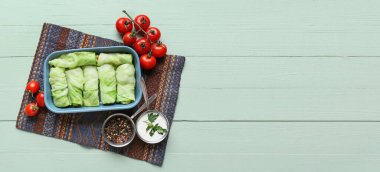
(142,124)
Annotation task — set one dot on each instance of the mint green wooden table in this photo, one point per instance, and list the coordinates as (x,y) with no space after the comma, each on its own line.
(271,85)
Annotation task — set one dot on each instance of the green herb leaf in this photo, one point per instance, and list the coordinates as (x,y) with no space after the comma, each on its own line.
(152,128)
(161,130)
(150,125)
(152,117)
(152,131)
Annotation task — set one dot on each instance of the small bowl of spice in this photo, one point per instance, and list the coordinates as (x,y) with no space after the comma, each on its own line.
(118,130)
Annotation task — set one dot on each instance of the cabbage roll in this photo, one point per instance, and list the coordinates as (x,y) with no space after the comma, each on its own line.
(107,78)
(75,81)
(73,60)
(115,59)
(90,89)
(57,80)
(125,76)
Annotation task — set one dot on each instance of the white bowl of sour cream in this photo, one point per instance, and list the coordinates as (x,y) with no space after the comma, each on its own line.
(152,126)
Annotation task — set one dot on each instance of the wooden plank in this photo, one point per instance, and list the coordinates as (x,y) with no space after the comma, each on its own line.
(279,104)
(221,146)
(260,28)
(250,72)
(282,72)
(189,163)
(287,88)
(256,104)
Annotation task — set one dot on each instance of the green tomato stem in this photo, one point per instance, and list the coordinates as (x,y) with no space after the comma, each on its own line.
(146,34)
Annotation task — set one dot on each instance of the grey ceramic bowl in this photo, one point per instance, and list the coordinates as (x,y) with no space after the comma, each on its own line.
(130,122)
(113,49)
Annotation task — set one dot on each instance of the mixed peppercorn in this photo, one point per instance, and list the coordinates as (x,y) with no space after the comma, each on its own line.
(118,130)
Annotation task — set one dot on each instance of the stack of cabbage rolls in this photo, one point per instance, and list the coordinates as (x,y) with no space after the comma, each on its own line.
(76,79)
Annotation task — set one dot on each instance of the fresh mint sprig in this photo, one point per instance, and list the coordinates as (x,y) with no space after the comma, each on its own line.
(152,128)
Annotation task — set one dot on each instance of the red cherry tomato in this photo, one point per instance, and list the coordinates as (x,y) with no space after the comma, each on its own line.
(129,38)
(142,46)
(159,50)
(31,109)
(32,86)
(154,34)
(143,21)
(123,25)
(147,62)
(40,99)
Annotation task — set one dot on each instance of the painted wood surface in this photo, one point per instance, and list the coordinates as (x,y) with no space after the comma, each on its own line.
(220,146)
(276,85)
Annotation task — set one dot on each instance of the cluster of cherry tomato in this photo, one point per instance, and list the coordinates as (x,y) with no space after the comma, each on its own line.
(31,109)
(144,39)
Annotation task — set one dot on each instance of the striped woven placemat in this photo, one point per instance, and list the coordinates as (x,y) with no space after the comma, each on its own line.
(85,128)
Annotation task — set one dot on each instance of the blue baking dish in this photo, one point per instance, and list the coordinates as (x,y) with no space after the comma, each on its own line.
(113,49)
